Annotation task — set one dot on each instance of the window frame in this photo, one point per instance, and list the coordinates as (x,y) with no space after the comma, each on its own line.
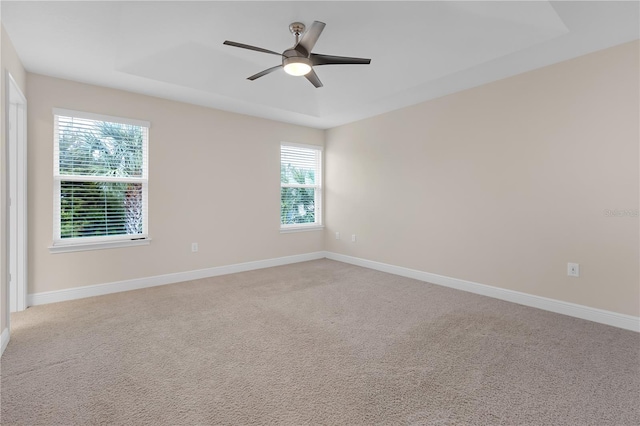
(72,244)
(318,191)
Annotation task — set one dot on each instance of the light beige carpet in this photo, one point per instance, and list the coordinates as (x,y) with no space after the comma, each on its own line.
(319,343)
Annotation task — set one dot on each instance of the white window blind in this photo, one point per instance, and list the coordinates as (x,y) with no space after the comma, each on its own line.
(100,178)
(300,186)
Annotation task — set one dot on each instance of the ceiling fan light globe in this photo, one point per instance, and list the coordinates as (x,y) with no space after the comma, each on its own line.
(297,69)
(297,66)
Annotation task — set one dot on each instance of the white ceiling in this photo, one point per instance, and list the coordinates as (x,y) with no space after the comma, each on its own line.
(420,50)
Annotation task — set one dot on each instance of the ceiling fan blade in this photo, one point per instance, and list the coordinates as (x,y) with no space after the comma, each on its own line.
(317,59)
(246,46)
(313,78)
(310,37)
(265,72)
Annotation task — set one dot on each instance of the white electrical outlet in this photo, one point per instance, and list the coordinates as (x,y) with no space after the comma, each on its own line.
(337,235)
(573,269)
(194,247)
(353,238)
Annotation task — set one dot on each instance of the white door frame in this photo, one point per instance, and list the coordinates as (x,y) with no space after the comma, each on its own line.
(16,137)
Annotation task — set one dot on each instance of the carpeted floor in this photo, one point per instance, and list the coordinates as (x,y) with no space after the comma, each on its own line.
(319,343)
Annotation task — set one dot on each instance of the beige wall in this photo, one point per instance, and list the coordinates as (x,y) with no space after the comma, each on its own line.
(502,184)
(214,179)
(9,61)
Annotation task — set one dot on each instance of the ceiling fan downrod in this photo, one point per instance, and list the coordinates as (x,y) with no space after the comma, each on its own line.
(297,28)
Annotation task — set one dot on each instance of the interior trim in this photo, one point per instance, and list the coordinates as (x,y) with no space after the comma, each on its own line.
(138,283)
(4,339)
(628,322)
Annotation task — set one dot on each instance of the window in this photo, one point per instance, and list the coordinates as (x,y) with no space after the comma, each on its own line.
(100,181)
(300,187)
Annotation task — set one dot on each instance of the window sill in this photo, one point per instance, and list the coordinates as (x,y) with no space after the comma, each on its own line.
(301,229)
(67,248)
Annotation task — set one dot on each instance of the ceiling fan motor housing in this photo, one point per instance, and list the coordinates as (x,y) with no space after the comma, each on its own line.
(296,64)
(293,56)
(297,60)
(293,53)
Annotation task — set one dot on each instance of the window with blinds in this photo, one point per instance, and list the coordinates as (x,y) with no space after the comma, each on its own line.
(100,178)
(300,186)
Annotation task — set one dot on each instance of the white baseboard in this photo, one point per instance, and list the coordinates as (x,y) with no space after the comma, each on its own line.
(135,284)
(614,319)
(4,338)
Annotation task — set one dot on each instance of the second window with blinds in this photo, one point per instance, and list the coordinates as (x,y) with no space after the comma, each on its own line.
(300,187)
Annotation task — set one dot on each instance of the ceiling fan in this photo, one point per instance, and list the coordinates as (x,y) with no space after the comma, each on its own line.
(298,60)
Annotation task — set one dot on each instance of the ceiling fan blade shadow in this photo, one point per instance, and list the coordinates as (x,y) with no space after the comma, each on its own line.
(265,72)
(313,78)
(246,46)
(310,37)
(318,59)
